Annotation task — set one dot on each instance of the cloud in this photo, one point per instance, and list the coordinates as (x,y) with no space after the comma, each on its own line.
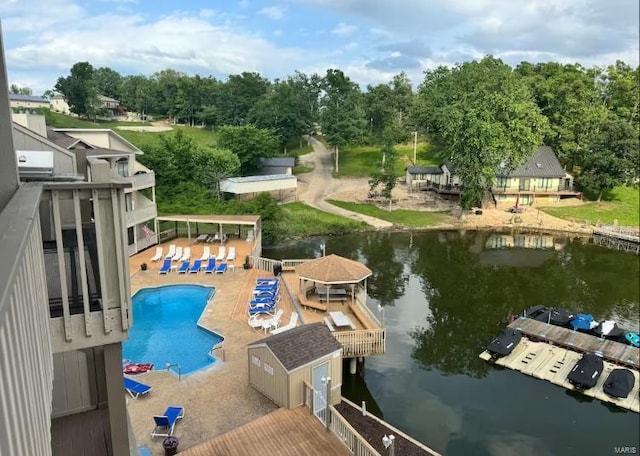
(394,63)
(343,29)
(273,12)
(414,47)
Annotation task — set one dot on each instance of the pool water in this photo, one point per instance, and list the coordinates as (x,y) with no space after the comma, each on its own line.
(165,328)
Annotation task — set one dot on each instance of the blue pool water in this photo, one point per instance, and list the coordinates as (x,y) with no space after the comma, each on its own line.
(165,330)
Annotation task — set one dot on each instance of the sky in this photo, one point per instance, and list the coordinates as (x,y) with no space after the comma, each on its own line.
(370,40)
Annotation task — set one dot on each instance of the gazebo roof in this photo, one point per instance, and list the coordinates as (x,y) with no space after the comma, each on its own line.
(333,269)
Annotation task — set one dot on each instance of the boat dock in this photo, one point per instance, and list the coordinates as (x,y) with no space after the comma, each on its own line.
(620,238)
(553,363)
(614,352)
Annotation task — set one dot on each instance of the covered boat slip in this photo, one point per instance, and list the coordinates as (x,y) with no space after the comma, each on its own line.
(616,352)
(553,363)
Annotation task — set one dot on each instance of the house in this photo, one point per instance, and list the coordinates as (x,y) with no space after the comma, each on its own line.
(74,148)
(110,106)
(280,186)
(18,101)
(280,364)
(541,177)
(442,179)
(59,104)
(277,165)
(64,303)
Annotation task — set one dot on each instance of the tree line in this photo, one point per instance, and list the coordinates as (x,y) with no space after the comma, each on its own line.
(482,113)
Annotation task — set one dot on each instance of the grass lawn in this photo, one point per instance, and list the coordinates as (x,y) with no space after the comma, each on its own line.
(142,139)
(623,205)
(414,219)
(59,120)
(300,220)
(301,169)
(359,161)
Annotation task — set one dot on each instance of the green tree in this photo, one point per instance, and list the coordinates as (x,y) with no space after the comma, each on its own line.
(386,174)
(249,143)
(485,115)
(138,94)
(18,90)
(166,82)
(341,115)
(79,90)
(108,82)
(215,165)
(238,95)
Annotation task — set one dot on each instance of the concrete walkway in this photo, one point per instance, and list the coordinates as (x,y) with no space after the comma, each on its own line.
(322,185)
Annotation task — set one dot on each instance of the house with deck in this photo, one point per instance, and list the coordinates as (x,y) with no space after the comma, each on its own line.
(72,150)
(64,305)
(27,102)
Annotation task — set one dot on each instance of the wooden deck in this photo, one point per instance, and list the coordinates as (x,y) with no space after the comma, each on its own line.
(281,433)
(553,364)
(81,434)
(614,352)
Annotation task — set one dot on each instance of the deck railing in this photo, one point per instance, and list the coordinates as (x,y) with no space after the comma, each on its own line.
(351,438)
(290,265)
(361,342)
(263,264)
(26,365)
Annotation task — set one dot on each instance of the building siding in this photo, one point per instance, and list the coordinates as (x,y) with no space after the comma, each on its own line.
(274,386)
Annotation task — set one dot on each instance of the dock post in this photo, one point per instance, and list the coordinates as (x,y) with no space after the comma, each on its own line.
(353,365)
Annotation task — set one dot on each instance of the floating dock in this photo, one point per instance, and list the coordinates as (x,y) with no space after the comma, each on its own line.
(620,238)
(615,352)
(553,363)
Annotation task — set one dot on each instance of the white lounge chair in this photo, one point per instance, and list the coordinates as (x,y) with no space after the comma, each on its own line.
(258,321)
(222,252)
(172,251)
(206,253)
(232,254)
(293,322)
(158,255)
(177,255)
(187,254)
(250,236)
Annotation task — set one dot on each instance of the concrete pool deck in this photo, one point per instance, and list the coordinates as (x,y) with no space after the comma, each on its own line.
(218,398)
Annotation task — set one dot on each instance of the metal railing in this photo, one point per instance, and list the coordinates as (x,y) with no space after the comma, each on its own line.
(26,363)
(532,189)
(361,342)
(351,438)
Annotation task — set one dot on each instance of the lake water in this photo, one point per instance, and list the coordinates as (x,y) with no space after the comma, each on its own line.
(446,295)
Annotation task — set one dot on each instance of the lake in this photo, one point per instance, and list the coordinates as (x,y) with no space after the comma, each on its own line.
(446,295)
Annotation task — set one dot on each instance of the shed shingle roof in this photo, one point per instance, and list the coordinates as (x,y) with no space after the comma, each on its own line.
(278,161)
(543,163)
(301,345)
(333,269)
(424,170)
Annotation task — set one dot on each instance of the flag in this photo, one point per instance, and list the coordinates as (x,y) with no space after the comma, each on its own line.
(147,232)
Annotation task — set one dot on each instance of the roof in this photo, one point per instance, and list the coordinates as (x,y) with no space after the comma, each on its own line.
(450,166)
(301,345)
(34,98)
(270,177)
(278,161)
(543,163)
(70,131)
(60,138)
(333,269)
(105,99)
(424,170)
(221,219)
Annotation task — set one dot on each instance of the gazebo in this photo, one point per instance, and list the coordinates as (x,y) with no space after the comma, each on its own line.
(334,273)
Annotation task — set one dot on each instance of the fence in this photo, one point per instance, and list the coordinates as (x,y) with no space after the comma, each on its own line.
(263,264)
(361,342)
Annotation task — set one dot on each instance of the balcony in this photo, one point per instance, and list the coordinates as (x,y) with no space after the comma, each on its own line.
(141,180)
(531,189)
(145,209)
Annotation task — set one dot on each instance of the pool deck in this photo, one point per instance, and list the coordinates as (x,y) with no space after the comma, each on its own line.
(217,399)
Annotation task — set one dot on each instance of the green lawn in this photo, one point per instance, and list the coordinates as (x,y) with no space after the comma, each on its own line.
(359,161)
(300,220)
(622,204)
(59,120)
(142,139)
(301,169)
(414,219)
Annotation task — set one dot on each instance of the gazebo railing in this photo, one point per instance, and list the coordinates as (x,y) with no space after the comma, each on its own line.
(290,265)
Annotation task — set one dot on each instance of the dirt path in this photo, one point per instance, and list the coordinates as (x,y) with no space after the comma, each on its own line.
(321,185)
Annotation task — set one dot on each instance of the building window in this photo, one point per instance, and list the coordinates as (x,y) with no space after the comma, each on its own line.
(122,167)
(268,369)
(502,182)
(256,360)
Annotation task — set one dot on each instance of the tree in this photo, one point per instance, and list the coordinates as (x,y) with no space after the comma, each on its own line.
(216,165)
(238,95)
(108,82)
(138,94)
(341,112)
(485,115)
(249,143)
(386,174)
(18,90)
(79,90)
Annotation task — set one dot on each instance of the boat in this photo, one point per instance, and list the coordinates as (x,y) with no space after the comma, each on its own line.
(557,316)
(608,329)
(619,383)
(633,338)
(533,312)
(561,317)
(504,344)
(586,372)
(583,322)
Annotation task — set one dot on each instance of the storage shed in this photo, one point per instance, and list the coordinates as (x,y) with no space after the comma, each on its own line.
(280,364)
(281,186)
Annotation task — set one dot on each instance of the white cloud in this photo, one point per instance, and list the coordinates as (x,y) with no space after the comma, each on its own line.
(244,3)
(343,29)
(273,12)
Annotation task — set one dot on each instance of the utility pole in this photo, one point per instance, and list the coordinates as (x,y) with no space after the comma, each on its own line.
(337,169)
(415,147)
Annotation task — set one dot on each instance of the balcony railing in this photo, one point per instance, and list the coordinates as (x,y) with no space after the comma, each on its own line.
(142,180)
(142,213)
(532,189)
(26,366)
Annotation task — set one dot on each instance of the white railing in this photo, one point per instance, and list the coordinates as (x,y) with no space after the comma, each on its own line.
(361,342)
(362,304)
(263,264)
(26,363)
(143,180)
(141,214)
(351,438)
(289,265)
(142,244)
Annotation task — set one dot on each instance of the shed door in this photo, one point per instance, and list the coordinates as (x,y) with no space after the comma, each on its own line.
(320,391)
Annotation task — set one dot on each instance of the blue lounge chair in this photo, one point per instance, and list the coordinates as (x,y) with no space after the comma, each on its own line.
(166,423)
(221,268)
(264,294)
(197,264)
(211,266)
(184,267)
(263,281)
(273,287)
(166,267)
(136,389)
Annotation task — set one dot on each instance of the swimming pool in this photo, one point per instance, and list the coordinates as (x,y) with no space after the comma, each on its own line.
(165,328)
